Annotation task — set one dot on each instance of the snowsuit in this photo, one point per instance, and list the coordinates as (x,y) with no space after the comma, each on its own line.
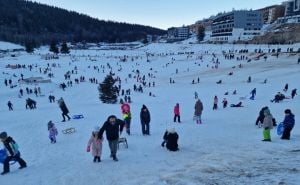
(253,93)
(64,109)
(12,154)
(176,113)
(198,111)
(171,140)
(112,129)
(96,145)
(52,132)
(145,120)
(267,125)
(288,124)
(126,116)
(215,107)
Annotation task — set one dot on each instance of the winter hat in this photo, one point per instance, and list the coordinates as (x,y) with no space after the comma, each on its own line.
(171,130)
(96,129)
(267,112)
(288,111)
(3,135)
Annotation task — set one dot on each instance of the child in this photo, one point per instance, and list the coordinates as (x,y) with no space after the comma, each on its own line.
(13,152)
(52,132)
(267,124)
(171,140)
(288,124)
(96,144)
(225,102)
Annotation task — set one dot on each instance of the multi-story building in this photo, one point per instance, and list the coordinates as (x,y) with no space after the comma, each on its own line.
(236,25)
(292,12)
(271,13)
(178,34)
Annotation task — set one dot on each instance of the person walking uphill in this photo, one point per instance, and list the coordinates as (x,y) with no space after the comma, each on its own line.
(112,126)
(288,124)
(145,120)
(64,109)
(267,124)
(177,113)
(198,111)
(96,143)
(215,107)
(13,152)
(126,116)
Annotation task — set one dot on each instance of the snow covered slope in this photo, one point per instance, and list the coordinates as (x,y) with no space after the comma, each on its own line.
(225,149)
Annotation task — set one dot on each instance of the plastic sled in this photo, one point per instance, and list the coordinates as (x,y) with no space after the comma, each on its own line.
(280,129)
(79,116)
(3,156)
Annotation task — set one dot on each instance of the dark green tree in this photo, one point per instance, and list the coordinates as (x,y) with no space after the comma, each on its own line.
(200,33)
(64,48)
(53,47)
(29,46)
(108,91)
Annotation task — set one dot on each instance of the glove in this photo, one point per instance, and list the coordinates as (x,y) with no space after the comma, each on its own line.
(88,149)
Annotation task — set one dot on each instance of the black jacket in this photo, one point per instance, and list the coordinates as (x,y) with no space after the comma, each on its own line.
(112,130)
(171,141)
(11,146)
(145,116)
(63,107)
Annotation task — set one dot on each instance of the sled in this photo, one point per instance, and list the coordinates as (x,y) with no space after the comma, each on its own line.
(3,156)
(280,129)
(78,116)
(124,141)
(69,130)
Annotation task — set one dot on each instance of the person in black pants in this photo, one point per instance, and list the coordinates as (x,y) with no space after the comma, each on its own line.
(12,153)
(64,109)
(288,124)
(145,120)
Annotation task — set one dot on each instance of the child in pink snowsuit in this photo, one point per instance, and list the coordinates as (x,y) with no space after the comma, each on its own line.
(96,145)
(177,113)
(52,132)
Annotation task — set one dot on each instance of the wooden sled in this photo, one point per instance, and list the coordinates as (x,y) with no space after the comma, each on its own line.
(124,141)
(69,130)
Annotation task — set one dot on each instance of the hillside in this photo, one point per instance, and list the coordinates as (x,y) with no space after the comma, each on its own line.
(23,21)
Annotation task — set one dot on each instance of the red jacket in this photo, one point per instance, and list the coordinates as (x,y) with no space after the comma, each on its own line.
(176,110)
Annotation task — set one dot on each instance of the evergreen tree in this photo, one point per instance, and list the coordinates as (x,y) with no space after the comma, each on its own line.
(29,46)
(54,48)
(200,33)
(107,90)
(64,48)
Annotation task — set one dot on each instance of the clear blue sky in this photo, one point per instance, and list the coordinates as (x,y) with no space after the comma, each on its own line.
(157,13)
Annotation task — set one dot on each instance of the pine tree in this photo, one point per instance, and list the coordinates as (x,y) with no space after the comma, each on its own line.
(107,90)
(200,33)
(64,48)
(54,48)
(29,46)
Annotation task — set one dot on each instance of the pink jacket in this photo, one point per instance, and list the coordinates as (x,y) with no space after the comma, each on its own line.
(96,145)
(125,108)
(176,110)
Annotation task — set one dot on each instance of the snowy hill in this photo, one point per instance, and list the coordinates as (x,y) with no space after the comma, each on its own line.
(225,149)
(9,46)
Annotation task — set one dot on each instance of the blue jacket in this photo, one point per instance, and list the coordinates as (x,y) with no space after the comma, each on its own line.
(289,121)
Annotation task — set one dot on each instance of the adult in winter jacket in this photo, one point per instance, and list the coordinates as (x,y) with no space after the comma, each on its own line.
(12,152)
(145,120)
(267,125)
(64,109)
(171,140)
(288,124)
(294,93)
(177,113)
(198,111)
(112,126)
(215,107)
(96,143)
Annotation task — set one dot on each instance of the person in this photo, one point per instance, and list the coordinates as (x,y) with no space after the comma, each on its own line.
(286,87)
(225,102)
(288,124)
(170,139)
(267,125)
(177,113)
(249,79)
(253,93)
(64,109)
(215,107)
(145,120)
(278,97)
(198,111)
(237,105)
(52,132)
(294,93)
(261,115)
(126,116)
(10,106)
(96,143)
(112,126)
(12,151)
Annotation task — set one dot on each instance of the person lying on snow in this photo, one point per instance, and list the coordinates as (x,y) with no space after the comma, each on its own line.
(237,105)
(171,140)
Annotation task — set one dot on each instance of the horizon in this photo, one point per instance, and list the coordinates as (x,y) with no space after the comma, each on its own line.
(169,13)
